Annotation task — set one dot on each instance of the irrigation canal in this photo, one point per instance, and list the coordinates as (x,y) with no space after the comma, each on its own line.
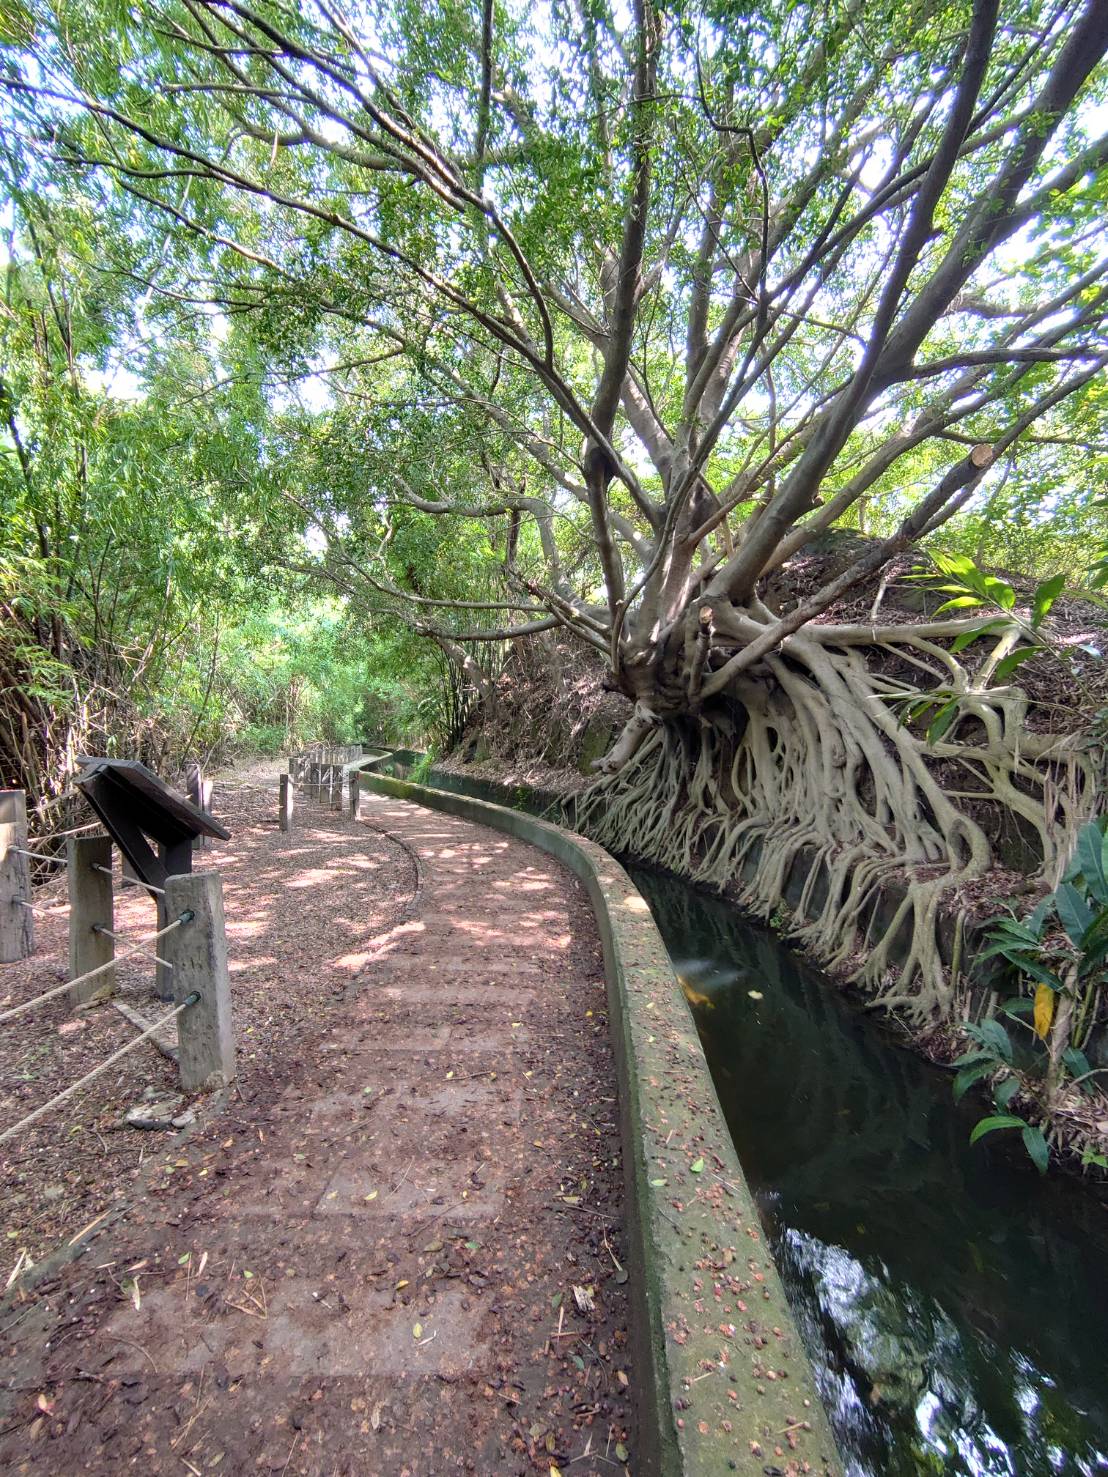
(953,1302)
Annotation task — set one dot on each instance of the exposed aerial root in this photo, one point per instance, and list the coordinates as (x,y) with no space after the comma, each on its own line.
(808,790)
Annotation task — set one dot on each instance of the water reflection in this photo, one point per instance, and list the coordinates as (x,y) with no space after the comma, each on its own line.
(954,1304)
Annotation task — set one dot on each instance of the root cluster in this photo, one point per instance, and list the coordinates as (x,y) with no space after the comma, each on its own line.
(806,785)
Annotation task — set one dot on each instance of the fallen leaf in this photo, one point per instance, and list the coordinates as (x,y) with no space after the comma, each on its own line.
(755,994)
(417,1331)
(371,1196)
(697,1166)
(622,1377)
(622,1454)
(584,1299)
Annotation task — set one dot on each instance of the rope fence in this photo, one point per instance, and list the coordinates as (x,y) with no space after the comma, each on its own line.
(190,950)
(90,974)
(130,881)
(75,1087)
(327,776)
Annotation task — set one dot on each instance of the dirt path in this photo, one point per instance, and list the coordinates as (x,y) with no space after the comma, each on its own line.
(369,1265)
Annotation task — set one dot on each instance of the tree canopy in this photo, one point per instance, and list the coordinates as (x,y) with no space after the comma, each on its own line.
(490,320)
(650,298)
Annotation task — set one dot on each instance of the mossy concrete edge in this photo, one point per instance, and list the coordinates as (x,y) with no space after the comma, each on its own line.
(723,1382)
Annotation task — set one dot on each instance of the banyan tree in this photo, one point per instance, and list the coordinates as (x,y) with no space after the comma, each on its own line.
(649,302)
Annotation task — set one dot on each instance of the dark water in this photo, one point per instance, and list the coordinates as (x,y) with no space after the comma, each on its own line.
(954,1303)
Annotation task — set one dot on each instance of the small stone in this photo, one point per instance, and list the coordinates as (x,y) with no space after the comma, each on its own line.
(155,1111)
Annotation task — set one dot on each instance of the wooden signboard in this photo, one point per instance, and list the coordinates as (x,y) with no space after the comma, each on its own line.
(137,809)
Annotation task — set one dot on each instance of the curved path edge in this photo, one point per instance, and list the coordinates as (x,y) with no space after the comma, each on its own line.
(725,1384)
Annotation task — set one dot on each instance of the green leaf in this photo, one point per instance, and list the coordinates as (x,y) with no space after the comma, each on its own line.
(976,1055)
(1018,1007)
(1089,854)
(967,638)
(993,1035)
(960,602)
(942,721)
(1044,598)
(697,1166)
(1037,972)
(1037,918)
(1036,1146)
(1077,1063)
(1007,665)
(959,565)
(990,1125)
(969,1075)
(1000,591)
(1073,911)
(16,26)
(1005,1091)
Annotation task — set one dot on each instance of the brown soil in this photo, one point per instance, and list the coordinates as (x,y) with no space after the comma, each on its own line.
(367,1263)
(288,965)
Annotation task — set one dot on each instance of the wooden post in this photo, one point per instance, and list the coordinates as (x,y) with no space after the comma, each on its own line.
(17,923)
(198,952)
(336,786)
(178,861)
(207,789)
(355,796)
(195,787)
(90,910)
(194,783)
(288,803)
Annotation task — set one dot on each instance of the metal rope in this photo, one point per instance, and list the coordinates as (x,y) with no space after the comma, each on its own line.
(130,881)
(8,1015)
(39,912)
(108,934)
(103,1067)
(57,835)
